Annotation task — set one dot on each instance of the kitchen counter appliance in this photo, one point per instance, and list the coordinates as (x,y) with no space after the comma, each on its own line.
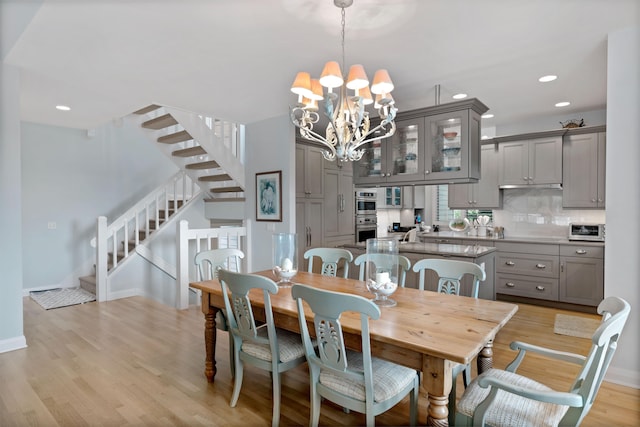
(366,202)
(588,232)
(366,215)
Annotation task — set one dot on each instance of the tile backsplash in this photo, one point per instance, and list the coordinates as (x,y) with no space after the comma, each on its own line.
(538,212)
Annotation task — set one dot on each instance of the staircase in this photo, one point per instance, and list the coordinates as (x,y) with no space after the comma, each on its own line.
(209,153)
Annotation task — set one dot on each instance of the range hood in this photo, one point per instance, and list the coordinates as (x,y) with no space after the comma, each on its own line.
(552,186)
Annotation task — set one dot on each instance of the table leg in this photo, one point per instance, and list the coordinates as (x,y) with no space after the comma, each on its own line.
(436,383)
(210,333)
(485,358)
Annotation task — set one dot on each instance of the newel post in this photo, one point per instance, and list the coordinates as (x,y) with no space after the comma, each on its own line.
(182,245)
(101,259)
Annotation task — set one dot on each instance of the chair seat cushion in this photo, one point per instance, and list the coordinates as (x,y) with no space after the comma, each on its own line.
(388,378)
(289,343)
(509,409)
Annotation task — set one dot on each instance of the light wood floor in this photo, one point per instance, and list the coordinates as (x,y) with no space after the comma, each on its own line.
(137,362)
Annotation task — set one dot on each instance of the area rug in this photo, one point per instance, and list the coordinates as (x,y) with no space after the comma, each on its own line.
(575,326)
(62,297)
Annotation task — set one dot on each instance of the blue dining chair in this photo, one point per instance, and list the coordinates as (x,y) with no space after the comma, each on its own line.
(331,258)
(503,398)
(261,345)
(208,263)
(355,380)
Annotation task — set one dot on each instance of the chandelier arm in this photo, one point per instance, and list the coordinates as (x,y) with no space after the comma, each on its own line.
(389,133)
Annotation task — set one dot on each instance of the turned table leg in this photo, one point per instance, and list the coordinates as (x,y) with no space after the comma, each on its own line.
(436,382)
(485,358)
(209,338)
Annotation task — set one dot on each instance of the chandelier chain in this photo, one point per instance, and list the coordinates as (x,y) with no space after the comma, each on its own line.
(342,22)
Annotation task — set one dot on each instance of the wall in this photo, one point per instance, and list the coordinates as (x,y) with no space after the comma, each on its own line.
(551,122)
(270,146)
(69,179)
(11,325)
(622,247)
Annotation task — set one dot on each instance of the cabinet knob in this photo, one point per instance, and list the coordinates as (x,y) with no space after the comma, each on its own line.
(540,288)
(593,200)
(524,178)
(510,285)
(388,174)
(470,202)
(581,251)
(510,263)
(426,172)
(600,200)
(541,266)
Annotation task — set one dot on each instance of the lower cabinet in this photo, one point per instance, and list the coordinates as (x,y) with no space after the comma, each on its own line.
(581,275)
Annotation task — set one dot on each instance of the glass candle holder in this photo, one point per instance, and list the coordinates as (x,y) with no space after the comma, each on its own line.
(381,272)
(285,258)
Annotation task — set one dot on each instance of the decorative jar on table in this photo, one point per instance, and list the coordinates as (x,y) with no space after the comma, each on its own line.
(381,272)
(285,257)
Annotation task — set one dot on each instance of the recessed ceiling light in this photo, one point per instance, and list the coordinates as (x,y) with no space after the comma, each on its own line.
(487,116)
(459,96)
(563,104)
(63,108)
(549,78)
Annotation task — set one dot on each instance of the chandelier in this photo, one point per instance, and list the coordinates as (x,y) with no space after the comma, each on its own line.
(349,126)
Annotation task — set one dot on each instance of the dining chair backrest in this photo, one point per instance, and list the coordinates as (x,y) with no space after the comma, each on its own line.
(450,272)
(410,236)
(332,259)
(385,261)
(210,261)
(342,376)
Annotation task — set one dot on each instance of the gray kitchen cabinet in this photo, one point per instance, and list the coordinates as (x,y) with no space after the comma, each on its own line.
(434,145)
(583,168)
(390,197)
(485,194)
(536,161)
(339,201)
(527,270)
(581,274)
(309,171)
(309,226)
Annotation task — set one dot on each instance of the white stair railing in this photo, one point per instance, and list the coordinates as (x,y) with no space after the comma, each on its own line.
(172,195)
(204,239)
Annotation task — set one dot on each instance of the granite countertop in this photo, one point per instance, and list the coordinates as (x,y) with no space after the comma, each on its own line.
(513,239)
(470,251)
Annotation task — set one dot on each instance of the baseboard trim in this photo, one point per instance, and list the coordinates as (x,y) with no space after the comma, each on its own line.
(124,294)
(11,344)
(625,377)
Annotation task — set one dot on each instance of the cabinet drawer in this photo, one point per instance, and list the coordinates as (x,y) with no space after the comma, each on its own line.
(530,265)
(528,248)
(530,287)
(582,251)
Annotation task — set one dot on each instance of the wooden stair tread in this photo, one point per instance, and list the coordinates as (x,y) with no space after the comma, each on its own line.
(188,152)
(215,178)
(160,122)
(218,190)
(225,199)
(147,109)
(211,164)
(174,138)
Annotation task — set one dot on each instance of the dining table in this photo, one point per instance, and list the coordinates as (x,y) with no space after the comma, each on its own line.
(425,330)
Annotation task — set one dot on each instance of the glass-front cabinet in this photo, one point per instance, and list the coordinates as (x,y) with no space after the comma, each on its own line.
(394,159)
(435,145)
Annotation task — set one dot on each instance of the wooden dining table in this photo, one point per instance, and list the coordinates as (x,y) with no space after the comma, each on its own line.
(427,331)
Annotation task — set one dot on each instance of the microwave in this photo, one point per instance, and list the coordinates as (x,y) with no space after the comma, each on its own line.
(366,202)
(591,232)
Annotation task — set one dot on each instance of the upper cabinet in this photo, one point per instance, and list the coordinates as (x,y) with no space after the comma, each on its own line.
(435,145)
(530,160)
(583,161)
(485,194)
(309,172)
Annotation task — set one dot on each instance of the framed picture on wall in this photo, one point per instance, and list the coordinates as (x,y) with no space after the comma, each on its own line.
(269,196)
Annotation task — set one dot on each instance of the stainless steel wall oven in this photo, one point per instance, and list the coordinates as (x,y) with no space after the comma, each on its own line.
(366,216)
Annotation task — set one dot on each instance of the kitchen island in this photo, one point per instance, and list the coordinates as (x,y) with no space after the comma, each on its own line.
(482,255)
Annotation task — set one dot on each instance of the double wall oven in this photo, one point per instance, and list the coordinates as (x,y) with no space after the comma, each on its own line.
(366,219)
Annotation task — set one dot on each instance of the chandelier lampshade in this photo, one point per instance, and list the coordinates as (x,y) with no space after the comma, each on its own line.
(349,125)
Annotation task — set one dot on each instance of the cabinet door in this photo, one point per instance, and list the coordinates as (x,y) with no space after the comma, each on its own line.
(346,210)
(309,226)
(461,196)
(332,203)
(371,169)
(405,156)
(513,158)
(602,174)
(581,280)
(309,171)
(450,144)
(580,171)
(486,192)
(545,160)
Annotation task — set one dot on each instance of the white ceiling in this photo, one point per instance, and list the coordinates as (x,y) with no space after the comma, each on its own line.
(236,59)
